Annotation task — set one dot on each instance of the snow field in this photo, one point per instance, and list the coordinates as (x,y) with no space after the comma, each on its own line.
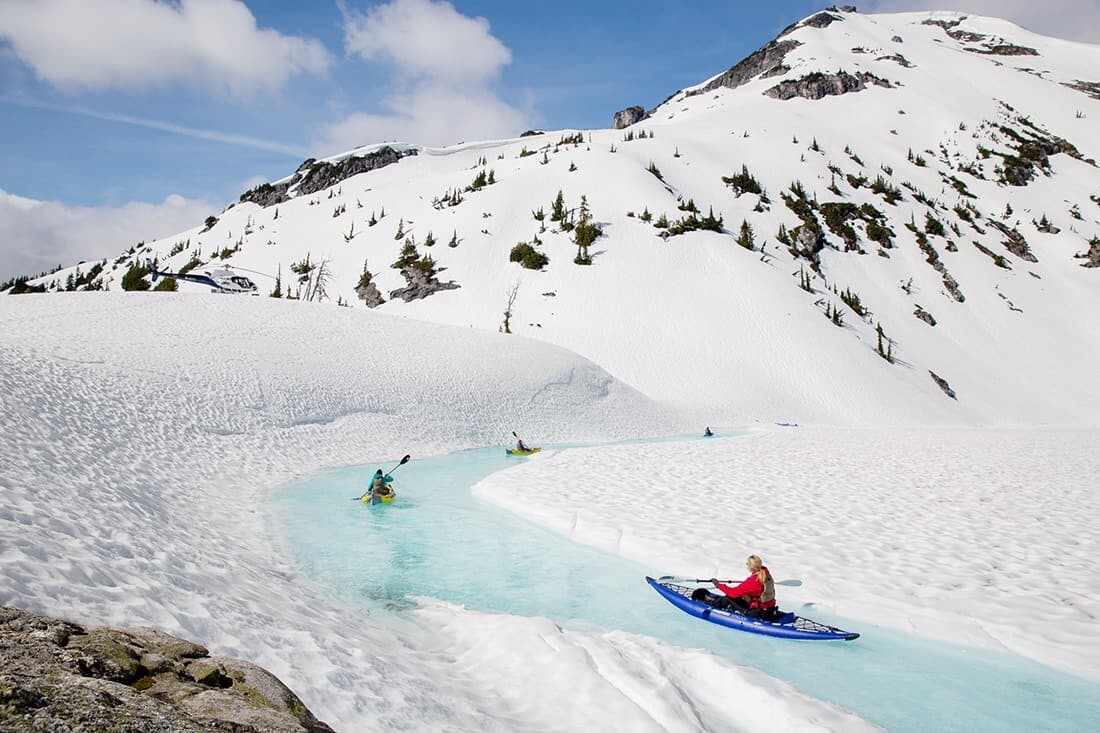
(984,538)
(141,433)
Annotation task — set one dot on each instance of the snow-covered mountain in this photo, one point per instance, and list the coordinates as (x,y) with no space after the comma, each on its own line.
(873,219)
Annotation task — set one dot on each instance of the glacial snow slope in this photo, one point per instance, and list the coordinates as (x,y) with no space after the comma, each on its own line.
(141,434)
(982,149)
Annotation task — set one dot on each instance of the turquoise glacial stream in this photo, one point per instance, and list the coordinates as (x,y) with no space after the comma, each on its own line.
(437,540)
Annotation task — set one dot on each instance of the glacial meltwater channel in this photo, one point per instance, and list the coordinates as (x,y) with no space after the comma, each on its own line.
(437,540)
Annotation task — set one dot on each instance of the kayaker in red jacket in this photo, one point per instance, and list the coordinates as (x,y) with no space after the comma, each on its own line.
(755,595)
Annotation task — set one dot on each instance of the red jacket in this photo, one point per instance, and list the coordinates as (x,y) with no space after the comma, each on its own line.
(751,587)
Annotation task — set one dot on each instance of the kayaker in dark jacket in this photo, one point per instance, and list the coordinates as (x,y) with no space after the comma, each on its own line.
(521,446)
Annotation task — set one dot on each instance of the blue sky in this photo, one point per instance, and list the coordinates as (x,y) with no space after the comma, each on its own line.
(130,119)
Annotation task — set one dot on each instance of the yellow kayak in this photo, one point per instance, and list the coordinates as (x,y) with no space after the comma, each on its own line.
(386,498)
(514,452)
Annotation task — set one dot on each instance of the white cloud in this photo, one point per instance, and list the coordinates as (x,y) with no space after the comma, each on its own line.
(76,45)
(427,39)
(251,183)
(39,235)
(1077,20)
(428,115)
(444,65)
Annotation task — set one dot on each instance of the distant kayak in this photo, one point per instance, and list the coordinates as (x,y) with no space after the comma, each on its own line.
(514,452)
(789,626)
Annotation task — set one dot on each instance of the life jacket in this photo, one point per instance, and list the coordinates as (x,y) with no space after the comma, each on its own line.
(768,595)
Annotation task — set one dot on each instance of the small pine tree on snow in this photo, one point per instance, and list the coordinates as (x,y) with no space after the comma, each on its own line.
(783,236)
(746,238)
(557,209)
(586,233)
(134,279)
(429,241)
(278,291)
(400,230)
(932,225)
(884,353)
(454,239)
(528,256)
(804,280)
(408,256)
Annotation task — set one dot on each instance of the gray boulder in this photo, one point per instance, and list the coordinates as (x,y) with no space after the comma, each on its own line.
(627,117)
(60,676)
(370,295)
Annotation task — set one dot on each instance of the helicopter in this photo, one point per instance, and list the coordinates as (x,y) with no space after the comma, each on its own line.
(220,280)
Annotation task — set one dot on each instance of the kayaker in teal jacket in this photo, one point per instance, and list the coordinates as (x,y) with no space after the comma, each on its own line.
(380,486)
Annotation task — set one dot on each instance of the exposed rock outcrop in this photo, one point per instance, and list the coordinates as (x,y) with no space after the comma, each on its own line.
(627,117)
(766,61)
(947,25)
(369,294)
(818,85)
(60,676)
(1005,49)
(1014,242)
(932,257)
(1091,88)
(942,384)
(421,284)
(897,58)
(821,20)
(807,242)
(925,316)
(313,176)
(1092,257)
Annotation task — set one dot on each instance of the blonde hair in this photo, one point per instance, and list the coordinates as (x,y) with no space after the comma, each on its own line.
(756,566)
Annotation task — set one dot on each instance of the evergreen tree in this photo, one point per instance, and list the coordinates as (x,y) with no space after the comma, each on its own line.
(746,238)
(557,210)
(585,234)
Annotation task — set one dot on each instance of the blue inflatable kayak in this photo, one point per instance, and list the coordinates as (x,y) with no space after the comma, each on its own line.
(787,627)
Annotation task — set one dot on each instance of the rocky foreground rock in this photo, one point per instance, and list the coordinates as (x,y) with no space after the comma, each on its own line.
(59,676)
